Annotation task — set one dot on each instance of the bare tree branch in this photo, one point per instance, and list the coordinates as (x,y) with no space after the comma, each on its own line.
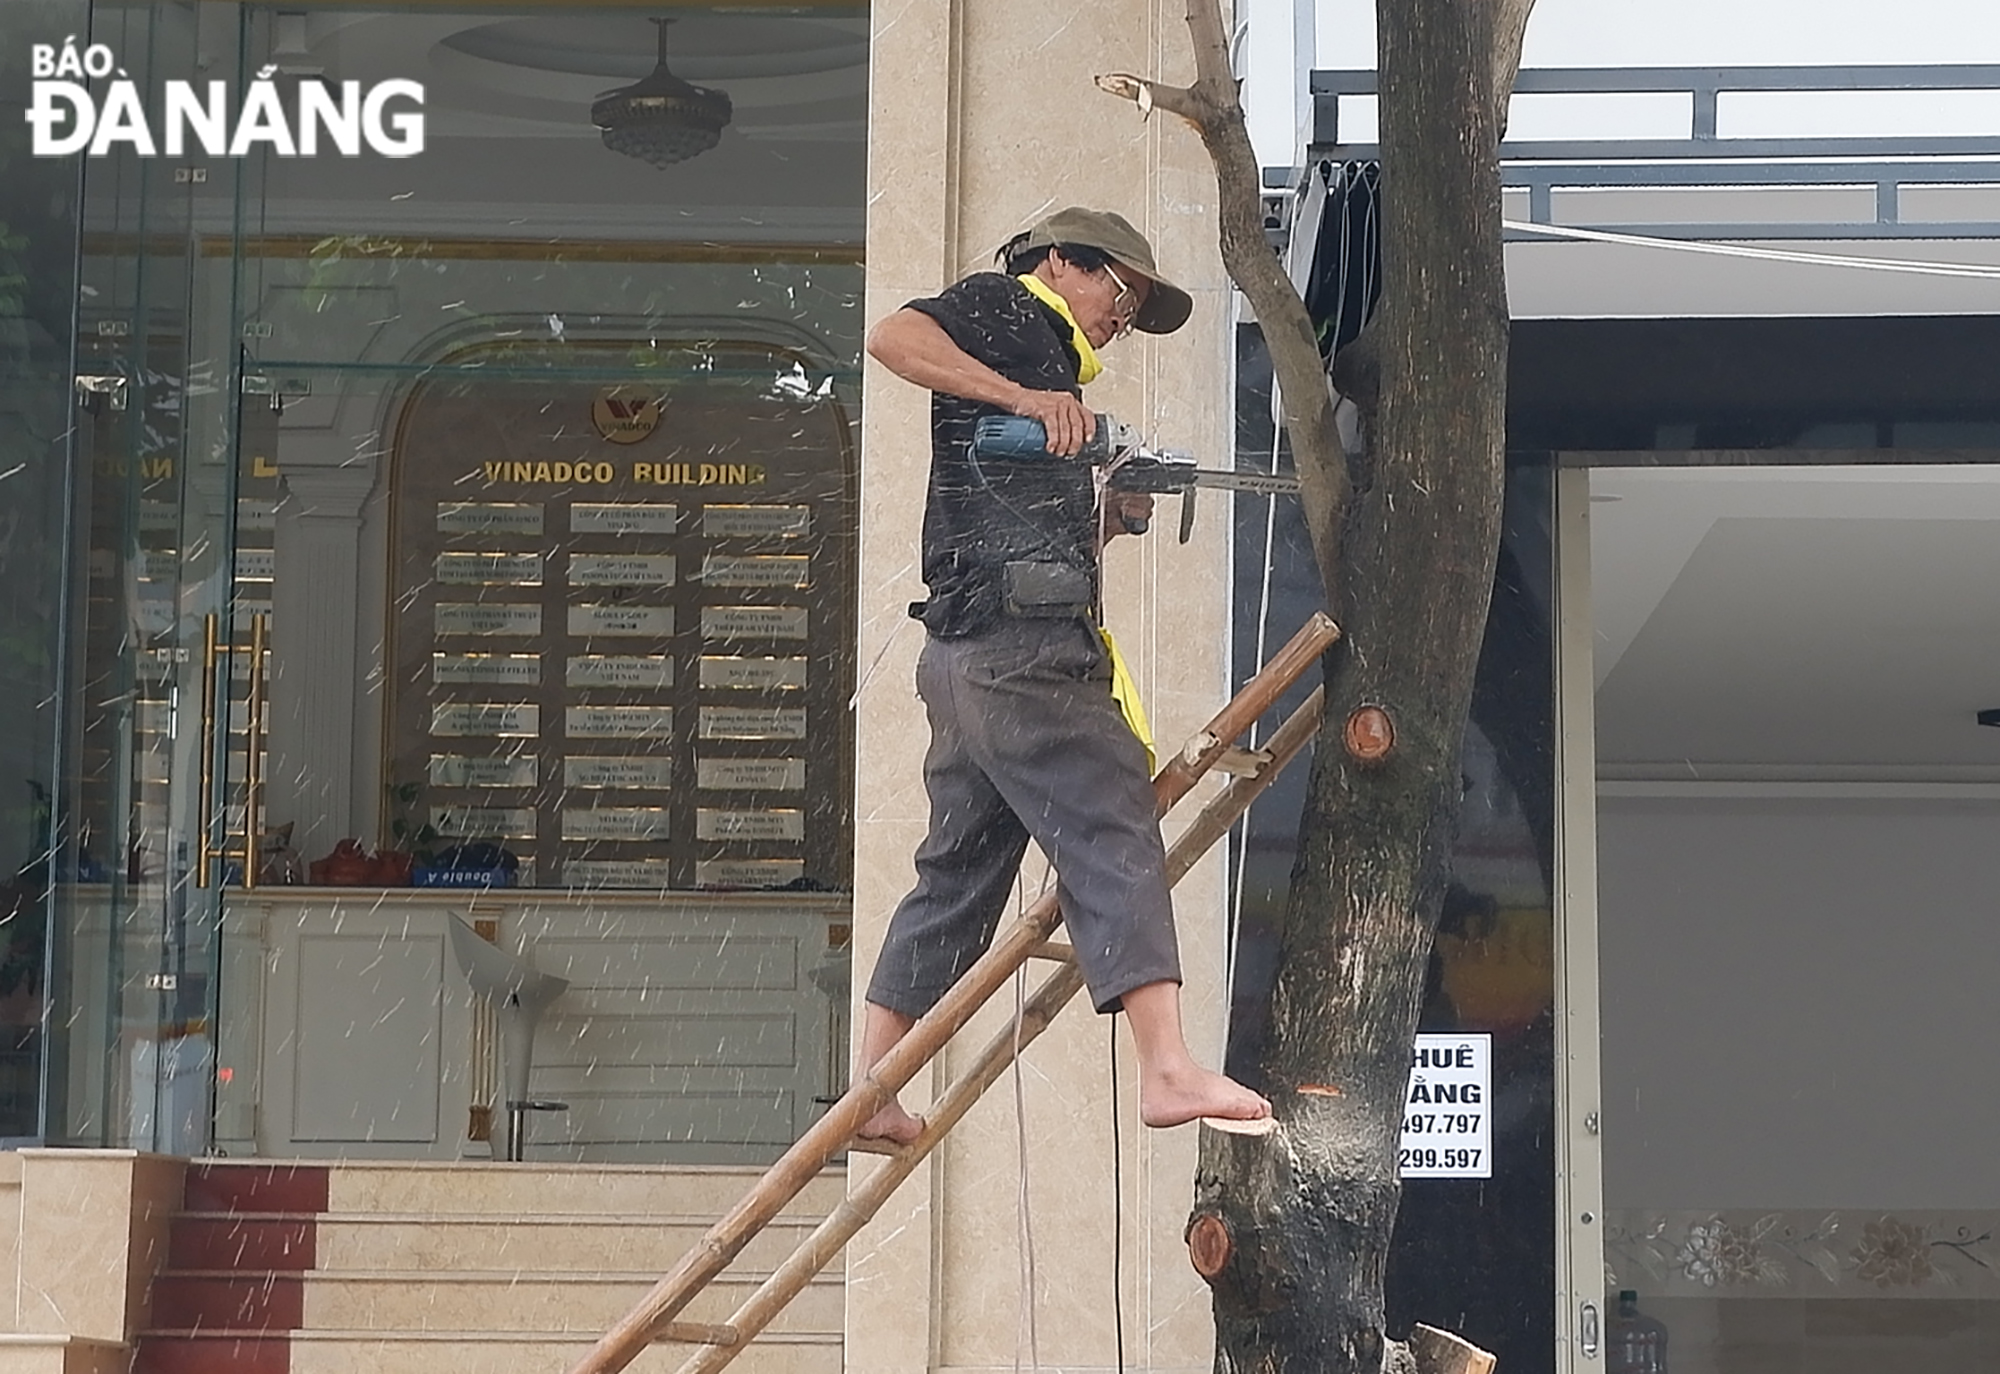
(1510,30)
(1211,106)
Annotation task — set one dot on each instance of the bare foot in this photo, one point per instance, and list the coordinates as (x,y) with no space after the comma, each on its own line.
(1177,1096)
(893,1124)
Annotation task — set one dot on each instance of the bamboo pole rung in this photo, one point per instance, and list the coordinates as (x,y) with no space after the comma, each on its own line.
(701,1333)
(875,1145)
(1242,763)
(1061,951)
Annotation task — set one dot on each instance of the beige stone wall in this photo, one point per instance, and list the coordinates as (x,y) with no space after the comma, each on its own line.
(982,118)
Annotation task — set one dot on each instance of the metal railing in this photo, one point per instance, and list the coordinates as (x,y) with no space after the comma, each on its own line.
(1882,169)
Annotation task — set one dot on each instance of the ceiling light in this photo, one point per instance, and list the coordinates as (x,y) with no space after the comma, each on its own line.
(661,119)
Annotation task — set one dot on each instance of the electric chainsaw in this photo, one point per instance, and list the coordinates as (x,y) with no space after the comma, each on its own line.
(1129,463)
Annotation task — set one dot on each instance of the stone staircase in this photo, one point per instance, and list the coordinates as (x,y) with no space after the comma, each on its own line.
(474,1268)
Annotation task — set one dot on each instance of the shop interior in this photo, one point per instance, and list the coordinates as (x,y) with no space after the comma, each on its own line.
(471,538)
(1798,782)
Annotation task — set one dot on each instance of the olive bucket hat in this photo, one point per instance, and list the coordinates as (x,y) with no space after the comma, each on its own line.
(1167,307)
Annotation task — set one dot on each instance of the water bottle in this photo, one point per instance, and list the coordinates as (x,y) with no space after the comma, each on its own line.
(1635,1343)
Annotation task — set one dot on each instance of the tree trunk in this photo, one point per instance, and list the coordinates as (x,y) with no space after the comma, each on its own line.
(1292,1229)
(1306,1213)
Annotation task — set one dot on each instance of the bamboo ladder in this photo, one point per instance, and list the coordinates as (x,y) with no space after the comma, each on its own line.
(1028,938)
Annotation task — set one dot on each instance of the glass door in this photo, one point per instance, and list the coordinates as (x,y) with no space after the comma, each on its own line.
(1793,788)
(155,816)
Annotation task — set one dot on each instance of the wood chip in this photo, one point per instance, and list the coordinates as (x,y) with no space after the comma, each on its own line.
(1262,1125)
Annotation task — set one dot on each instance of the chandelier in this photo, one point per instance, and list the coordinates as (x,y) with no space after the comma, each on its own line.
(661,119)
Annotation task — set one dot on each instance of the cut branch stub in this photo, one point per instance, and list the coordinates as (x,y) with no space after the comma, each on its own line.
(1369,734)
(1440,1352)
(1209,1244)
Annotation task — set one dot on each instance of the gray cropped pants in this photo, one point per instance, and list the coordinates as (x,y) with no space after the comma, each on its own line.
(1027,742)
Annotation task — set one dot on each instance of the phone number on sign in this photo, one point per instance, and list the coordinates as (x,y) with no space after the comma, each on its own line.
(1446,1123)
(1438,1159)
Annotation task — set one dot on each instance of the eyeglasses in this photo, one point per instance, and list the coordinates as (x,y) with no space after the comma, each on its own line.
(1124,305)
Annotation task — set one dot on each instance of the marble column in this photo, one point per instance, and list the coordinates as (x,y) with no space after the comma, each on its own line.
(982,118)
(310,766)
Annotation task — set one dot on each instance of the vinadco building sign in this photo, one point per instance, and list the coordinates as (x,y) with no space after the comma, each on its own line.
(68,118)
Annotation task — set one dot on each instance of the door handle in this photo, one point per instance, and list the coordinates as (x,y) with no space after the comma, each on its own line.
(253,747)
(1589,1334)
(215,846)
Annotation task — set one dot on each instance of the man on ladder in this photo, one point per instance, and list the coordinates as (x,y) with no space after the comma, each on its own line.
(1027,740)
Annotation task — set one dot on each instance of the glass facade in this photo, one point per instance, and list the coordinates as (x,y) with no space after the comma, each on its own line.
(452,523)
(38,243)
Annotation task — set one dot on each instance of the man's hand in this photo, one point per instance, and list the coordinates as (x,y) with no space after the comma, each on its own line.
(1068,421)
(915,347)
(1122,509)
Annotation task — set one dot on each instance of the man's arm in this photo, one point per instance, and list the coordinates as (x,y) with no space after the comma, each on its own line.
(915,347)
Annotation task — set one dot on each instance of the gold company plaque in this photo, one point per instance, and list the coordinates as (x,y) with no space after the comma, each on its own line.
(714,824)
(593,770)
(752,722)
(618,722)
(615,872)
(790,570)
(753,622)
(516,670)
(750,873)
(491,719)
(484,822)
(719,672)
(460,567)
(614,823)
(621,622)
(489,517)
(485,618)
(563,617)
(458,770)
(630,517)
(756,522)
(621,570)
(619,670)
(750,775)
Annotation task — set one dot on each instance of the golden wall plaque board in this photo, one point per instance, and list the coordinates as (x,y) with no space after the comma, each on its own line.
(737,874)
(615,823)
(607,771)
(470,568)
(484,822)
(756,522)
(591,621)
(461,770)
(630,873)
(624,517)
(713,823)
(749,775)
(753,622)
(489,517)
(518,670)
(485,619)
(724,673)
(619,670)
(621,569)
(618,722)
(756,570)
(663,617)
(752,722)
(508,720)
